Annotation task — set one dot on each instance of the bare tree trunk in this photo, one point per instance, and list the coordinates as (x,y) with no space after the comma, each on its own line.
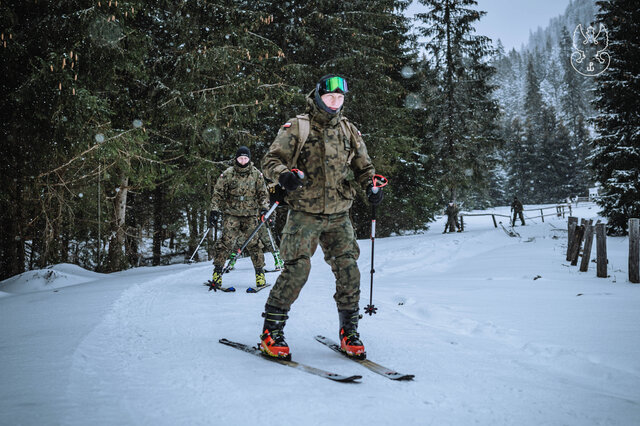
(65,240)
(132,241)
(158,221)
(46,233)
(117,259)
(192,219)
(9,245)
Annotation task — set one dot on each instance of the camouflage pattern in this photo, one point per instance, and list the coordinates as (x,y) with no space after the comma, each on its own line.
(333,163)
(300,237)
(236,230)
(240,191)
(263,236)
(517,208)
(239,194)
(452,218)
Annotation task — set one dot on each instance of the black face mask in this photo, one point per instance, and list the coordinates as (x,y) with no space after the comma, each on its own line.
(324,106)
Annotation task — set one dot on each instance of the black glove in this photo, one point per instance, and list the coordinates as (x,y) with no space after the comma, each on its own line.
(290,181)
(213,218)
(375,198)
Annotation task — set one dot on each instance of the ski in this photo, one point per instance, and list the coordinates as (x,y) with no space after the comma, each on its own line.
(266,271)
(373,366)
(213,287)
(293,364)
(257,289)
(510,232)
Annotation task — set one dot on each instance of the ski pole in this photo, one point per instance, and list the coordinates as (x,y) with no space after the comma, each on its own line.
(276,252)
(199,244)
(238,252)
(379,181)
(273,245)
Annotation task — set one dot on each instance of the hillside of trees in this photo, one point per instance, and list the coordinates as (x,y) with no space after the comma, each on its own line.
(546,106)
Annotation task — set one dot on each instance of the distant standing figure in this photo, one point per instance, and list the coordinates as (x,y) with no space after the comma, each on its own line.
(517,208)
(452,218)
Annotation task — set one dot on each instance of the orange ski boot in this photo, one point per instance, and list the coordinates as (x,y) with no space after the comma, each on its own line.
(272,341)
(350,342)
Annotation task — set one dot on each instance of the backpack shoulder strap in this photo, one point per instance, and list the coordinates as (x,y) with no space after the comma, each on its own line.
(304,128)
(347,130)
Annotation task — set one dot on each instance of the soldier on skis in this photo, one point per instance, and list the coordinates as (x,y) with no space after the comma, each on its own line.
(329,150)
(241,196)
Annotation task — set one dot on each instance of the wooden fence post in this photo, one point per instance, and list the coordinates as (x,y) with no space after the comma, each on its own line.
(493,216)
(572,223)
(634,250)
(601,250)
(577,243)
(461,223)
(586,251)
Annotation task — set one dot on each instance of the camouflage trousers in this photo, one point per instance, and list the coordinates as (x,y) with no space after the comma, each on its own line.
(235,231)
(515,216)
(300,238)
(452,224)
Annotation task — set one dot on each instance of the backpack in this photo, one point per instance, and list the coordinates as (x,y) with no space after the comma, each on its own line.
(276,192)
(304,127)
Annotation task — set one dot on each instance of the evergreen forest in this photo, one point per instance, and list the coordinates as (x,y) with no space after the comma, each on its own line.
(118,116)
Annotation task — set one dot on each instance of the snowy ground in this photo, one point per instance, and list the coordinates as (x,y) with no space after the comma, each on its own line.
(497,330)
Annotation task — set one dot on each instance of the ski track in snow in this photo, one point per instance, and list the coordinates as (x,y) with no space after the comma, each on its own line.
(141,349)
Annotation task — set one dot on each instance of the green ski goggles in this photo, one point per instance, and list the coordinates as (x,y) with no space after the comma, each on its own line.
(335,83)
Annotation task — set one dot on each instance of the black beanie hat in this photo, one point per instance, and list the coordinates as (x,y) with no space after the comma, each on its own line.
(243,150)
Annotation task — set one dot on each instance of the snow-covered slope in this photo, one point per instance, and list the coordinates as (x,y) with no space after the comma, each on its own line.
(497,330)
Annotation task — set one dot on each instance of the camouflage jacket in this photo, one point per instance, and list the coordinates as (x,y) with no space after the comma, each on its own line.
(517,206)
(333,163)
(452,211)
(240,191)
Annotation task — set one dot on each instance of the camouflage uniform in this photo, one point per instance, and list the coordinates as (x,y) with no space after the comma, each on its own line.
(517,208)
(334,164)
(263,236)
(452,218)
(239,194)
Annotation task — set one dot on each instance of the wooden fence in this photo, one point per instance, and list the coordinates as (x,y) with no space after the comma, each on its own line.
(560,211)
(583,233)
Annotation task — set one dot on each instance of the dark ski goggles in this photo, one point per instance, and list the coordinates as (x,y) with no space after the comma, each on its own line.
(335,83)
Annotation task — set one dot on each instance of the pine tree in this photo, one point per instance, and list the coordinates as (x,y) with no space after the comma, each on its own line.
(367,42)
(58,70)
(616,156)
(120,116)
(516,161)
(213,77)
(465,115)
